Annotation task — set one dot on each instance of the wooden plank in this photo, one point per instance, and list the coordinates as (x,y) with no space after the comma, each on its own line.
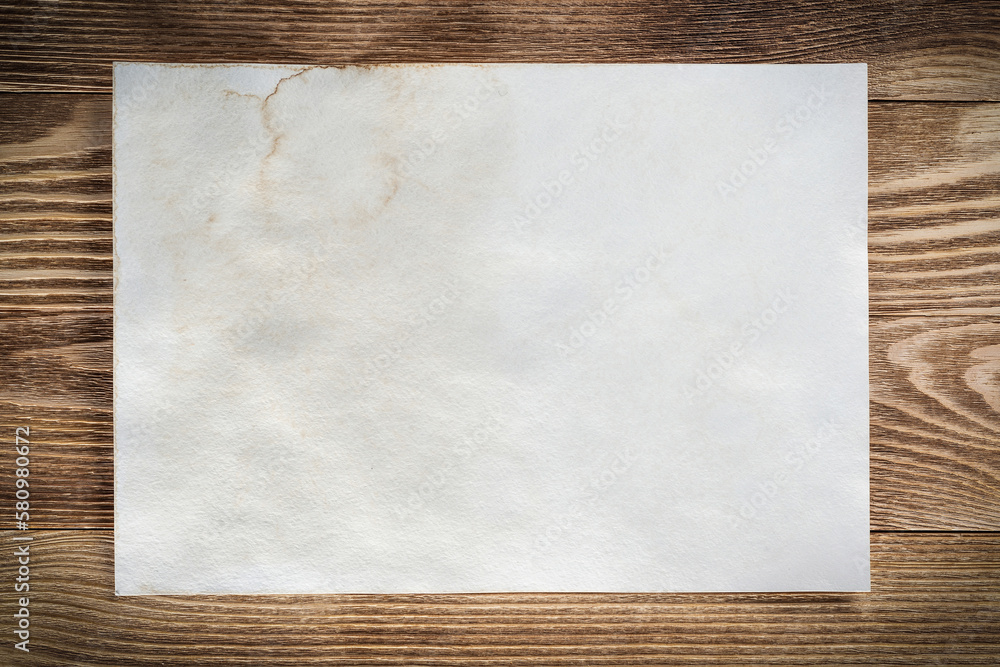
(934,231)
(935,429)
(935,600)
(926,49)
(935,340)
(935,423)
(71,465)
(935,210)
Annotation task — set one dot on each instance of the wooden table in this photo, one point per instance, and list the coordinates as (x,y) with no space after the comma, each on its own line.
(934,240)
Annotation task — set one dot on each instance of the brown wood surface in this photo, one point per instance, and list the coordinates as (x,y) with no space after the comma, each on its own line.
(916,49)
(935,600)
(934,242)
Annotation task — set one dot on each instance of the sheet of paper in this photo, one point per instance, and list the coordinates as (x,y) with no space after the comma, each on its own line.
(490,328)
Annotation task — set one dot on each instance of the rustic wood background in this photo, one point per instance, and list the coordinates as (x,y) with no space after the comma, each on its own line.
(934,240)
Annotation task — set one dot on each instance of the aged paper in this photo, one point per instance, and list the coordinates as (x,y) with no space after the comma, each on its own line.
(490,328)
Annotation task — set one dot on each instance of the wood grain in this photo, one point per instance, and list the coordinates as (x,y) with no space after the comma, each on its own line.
(934,209)
(934,236)
(935,423)
(935,429)
(935,600)
(924,49)
(934,228)
(934,240)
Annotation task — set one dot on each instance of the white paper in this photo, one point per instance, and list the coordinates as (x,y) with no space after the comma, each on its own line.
(490,328)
